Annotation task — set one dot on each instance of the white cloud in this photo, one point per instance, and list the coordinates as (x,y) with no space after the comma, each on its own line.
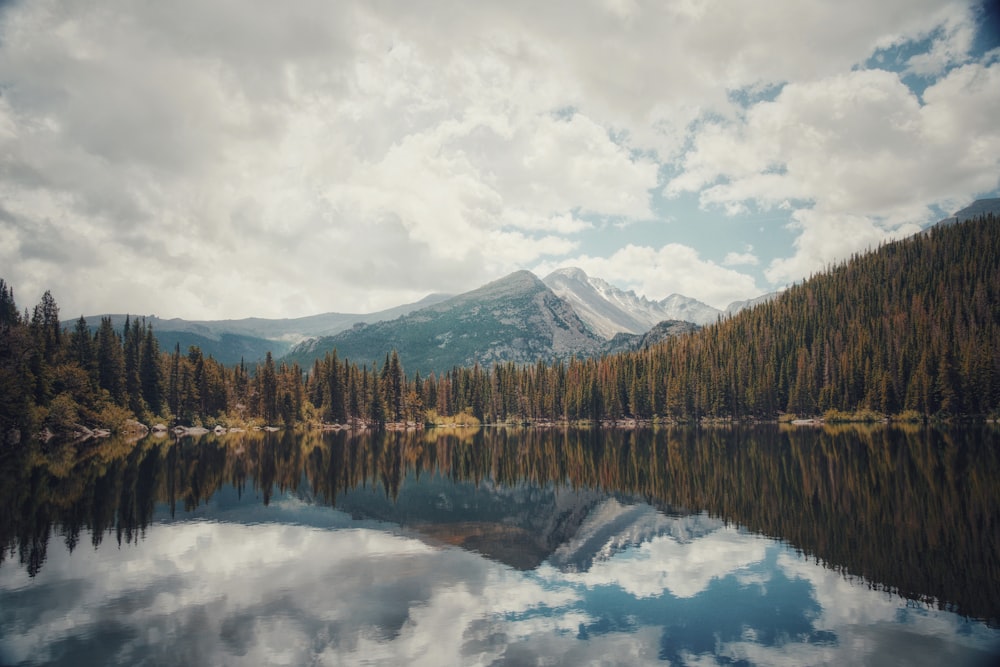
(950,46)
(862,149)
(684,569)
(287,161)
(746,258)
(268,594)
(827,238)
(229,159)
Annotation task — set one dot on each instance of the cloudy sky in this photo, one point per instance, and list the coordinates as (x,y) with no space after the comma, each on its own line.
(228,159)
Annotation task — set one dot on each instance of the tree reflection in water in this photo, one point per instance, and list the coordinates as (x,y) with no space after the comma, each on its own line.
(910,509)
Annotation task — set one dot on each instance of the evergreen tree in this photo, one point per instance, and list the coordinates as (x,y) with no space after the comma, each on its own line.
(377,412)
(8,309)
(110,361)
(174,381)
(268,389)
(81,348)
(150,374)
(46,321)
(16,380)
(131,343)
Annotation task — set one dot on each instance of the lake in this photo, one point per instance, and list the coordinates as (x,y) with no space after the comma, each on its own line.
(766,545)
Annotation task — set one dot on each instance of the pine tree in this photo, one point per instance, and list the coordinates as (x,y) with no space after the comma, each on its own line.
(16,380)
(8,309)
(110,361)
(377,412)
(174,381)
(268,388)
(81,348)
(131,343)
(150,374)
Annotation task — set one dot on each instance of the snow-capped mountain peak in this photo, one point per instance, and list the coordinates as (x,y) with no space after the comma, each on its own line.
(737,306)
(606,309)
(685,308)
(609,310)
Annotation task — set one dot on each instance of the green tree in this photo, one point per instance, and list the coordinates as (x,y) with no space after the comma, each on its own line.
(8,308)
(268,387)
(110,361)
(131,345)
(377,412)
(150,374)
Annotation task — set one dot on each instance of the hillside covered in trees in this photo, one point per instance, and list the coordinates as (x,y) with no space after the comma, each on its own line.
(911,326)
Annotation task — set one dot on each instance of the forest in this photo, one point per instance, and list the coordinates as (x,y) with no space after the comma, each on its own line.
(908,330)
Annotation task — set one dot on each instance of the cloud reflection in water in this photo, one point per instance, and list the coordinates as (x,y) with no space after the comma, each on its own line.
(688,589)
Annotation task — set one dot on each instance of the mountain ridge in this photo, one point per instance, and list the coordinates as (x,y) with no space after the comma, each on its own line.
(515,318)
(250,339)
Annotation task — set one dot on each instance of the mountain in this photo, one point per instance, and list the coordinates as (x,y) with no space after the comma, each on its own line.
(610,311)
(978,208)
(613,526)
(250,339)
(625,342)
(516,318)
(524,526)
(680,307)
(606,309)
(685,308)
(292,330)
(737,306)
(519,525)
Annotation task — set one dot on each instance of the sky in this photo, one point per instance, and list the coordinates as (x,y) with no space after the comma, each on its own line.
(227,159)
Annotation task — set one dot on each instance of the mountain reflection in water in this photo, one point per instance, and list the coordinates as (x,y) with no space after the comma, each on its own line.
(615,546)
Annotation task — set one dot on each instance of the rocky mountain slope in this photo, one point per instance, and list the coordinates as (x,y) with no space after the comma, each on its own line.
(625,342)
(606,309)
(609,311)
(516,318)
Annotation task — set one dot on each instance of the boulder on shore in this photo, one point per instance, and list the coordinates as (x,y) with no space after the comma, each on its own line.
(133,426)
(190,430)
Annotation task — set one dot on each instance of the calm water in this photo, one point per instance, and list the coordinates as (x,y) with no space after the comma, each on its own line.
(700,547)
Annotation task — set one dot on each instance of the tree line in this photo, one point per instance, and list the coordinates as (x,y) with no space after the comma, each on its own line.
(908,328)
(62,379)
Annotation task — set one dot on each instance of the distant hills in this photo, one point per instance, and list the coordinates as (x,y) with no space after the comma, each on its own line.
(250,339)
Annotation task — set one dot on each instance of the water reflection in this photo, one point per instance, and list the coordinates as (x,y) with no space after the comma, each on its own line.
(623,547)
